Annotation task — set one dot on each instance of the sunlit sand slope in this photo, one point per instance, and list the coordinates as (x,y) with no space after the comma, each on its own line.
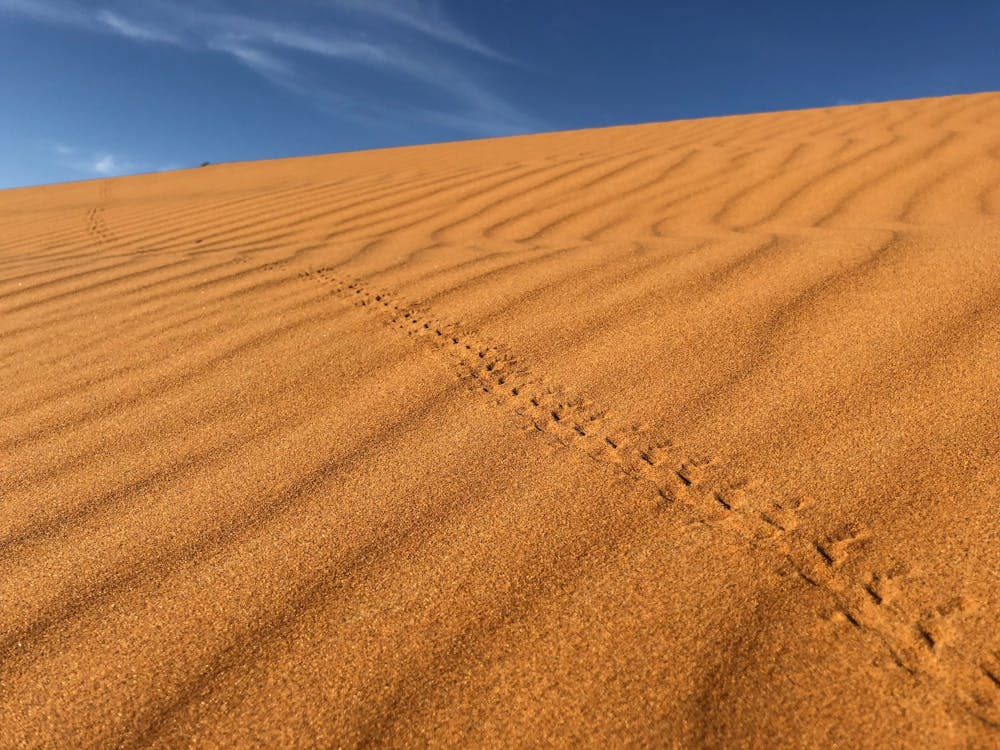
(685,433)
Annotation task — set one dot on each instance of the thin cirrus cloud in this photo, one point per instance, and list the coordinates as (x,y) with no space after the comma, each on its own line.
(406,39)
(426,18)
(92,163)
(132,30)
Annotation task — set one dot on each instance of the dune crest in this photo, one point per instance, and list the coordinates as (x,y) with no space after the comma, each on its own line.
(682,433)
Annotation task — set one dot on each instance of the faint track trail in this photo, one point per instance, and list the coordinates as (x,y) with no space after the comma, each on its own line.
(675,480)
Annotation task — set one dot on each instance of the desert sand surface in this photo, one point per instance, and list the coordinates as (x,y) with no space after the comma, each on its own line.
(682,434)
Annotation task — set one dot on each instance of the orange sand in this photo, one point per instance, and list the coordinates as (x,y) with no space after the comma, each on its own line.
(676,434)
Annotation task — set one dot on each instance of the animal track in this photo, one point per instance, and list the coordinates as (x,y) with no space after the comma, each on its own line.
(913,638)
(884,588)
(97,227)
(834,547)
(984,696)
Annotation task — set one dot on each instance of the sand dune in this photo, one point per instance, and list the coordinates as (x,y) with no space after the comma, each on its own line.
(674,434)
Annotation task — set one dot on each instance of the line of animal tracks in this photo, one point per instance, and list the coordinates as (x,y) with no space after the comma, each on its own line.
(673,480)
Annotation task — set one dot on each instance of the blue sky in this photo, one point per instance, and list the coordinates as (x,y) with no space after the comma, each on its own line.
(91,89)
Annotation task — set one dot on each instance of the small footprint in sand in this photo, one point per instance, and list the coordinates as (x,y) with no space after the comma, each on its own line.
(940,624)
(990,667)
(736,493)
(696,470)
(984,693)
(835,547)
(886,588)
(628,437)
(785,515)
(656,454)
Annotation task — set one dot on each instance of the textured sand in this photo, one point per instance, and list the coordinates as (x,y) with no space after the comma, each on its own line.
(676,434)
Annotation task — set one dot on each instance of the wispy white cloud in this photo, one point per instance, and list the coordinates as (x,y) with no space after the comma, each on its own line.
(106,164)
(419,15)
(398,38)
(133,30)
(266,64)
(92,163)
